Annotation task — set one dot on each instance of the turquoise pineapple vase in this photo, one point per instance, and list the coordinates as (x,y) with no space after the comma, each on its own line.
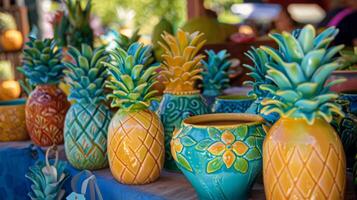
(172,110)
(220,161)
(85,135)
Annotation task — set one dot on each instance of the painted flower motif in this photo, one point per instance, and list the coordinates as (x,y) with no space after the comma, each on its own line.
(176,146)
(228,149)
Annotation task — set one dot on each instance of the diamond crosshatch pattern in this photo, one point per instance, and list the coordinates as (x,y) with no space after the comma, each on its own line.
(284,171)
(136,149)
(86,135)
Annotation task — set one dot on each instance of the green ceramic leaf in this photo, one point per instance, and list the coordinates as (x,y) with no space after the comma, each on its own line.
(241,165)
(214,134)
(183,162)
(203,145)
(187,141)
(242,131)
(214,165)
(250,141)
(253,154)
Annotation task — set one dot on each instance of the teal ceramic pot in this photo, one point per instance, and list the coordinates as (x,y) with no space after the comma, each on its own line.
(232,104)
(172,110)
(352,98)
(346,127)
(220,154)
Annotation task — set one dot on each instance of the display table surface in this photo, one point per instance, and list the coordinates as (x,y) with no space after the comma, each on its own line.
(168,186)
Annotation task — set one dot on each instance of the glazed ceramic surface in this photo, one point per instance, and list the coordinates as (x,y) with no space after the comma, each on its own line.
(85,135)
(232,104)
(12,120)
(220,154)
(256,107)
(136,147)
(173,109)
(46,109)
(352,98)
(351,80)
(302,161)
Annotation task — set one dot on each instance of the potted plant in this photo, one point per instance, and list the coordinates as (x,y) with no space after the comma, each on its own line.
(47,105)
(215,74)
(87,120)
(303,156)
(220,154)
(181,67)
(135,135)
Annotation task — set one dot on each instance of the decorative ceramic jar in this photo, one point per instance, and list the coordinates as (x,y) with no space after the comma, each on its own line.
(173,109)
(220,154)
(87,120)
(47,105)
(352,98)
(46,110)
(12,120)
(135,134)
(232,104)
(303,157)
(181,68)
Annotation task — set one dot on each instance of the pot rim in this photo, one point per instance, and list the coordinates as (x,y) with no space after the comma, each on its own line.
(249,119)
(235,97)
(13,102)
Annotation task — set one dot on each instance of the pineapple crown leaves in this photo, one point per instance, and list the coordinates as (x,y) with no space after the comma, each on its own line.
(300,70)
(45,185)
(42,61)
(125,42)
(87,74)
(258,71)
(348,59)
(181,65)
(215,71)
(78,17)
(131,81)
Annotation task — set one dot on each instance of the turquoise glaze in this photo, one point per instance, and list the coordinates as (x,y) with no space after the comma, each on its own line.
(232,104)
(172,110)
(220,160)
(13,102)
(352,98)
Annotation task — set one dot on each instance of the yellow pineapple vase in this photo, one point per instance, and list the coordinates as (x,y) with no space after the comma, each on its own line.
(303,157)
(135,134)
(12,120)
(181,68)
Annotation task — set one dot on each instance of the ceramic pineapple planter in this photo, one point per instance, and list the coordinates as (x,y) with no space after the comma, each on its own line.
(215,77)
(135,135)
(232,104)
(46,109)
(303,157)
(258,74)
(12,120)
(220,154)
(181,67)
(47,105)
(87,120)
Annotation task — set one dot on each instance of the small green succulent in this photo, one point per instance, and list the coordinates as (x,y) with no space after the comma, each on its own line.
(215,72)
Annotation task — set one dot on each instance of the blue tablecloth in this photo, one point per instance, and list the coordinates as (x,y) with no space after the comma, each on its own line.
(16,158)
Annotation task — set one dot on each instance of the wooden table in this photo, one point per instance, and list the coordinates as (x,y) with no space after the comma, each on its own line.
(172,186)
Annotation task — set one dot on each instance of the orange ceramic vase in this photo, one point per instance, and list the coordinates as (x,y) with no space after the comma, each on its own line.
(46,109)
(302,161)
